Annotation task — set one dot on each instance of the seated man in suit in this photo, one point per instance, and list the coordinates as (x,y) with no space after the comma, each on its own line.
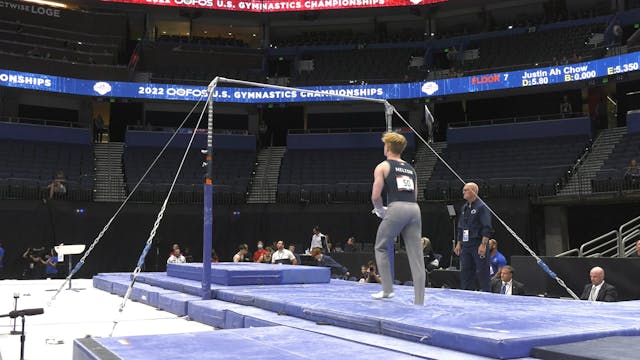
(505,284)
(598,290)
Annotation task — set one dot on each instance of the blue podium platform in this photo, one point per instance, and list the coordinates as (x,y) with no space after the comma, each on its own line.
(477,324)
(252,273)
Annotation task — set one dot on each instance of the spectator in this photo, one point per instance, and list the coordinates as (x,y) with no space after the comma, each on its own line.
(214,256)
(430,261)
(33,263)
(473,232)
(318,239)
(576,58)
(174,247)
(371,275)
(187,254)
(283,256)
(364,273)
(176,258)
(632,175)
(328,261)
(266,257)
(505,284)
(292,248)
(350,245)
(243,249)
(98,128)
(496,259)
(51,264)
(330,248)
(565,106)
(57,186)
(598,290)
(258,253)
(637,252)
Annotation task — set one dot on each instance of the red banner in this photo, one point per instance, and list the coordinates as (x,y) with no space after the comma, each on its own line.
(279,5)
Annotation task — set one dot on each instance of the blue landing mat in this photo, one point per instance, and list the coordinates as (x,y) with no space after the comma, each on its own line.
(233,316)
(267,343)
(479,323)
(252,273)
(229,316)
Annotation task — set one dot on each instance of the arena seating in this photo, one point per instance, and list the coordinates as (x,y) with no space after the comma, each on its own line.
(200,43)
(79,44)
(199,63)
(28,167)
(231,173)
(56,44)
(535,47)
(611,175)
(370,65)
(522,168)
(322,176)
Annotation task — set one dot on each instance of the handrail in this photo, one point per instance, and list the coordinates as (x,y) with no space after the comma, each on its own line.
(336,130)
(154,128)
(630,249)
(520,119)
(55,48)
(583,253)
(70,32)
(568,252)
(45,122)
(625,230)
(607,249)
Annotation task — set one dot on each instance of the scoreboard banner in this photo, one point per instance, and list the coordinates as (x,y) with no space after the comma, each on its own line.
(279,5)
(470,84)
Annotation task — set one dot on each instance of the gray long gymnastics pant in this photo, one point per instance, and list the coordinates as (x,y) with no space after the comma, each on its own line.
(401,218)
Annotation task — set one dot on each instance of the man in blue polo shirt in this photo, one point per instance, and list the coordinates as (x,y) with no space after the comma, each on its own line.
(474,231)
(497,260)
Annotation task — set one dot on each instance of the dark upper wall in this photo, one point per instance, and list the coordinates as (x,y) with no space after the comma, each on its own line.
(159,138)
(44,133)
(339,141)
(528,130)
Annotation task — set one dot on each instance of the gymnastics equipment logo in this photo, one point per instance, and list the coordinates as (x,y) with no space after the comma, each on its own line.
(102,88)
(429,88)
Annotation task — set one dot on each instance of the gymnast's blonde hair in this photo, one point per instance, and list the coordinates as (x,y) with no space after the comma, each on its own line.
(396,142)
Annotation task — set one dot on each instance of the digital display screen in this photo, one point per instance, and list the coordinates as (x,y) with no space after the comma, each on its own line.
(279,5)
(470,84)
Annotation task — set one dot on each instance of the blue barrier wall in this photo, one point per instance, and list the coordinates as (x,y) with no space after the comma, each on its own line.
(633,121)
(45,133)
(339,141)
(528,130)
(220,141)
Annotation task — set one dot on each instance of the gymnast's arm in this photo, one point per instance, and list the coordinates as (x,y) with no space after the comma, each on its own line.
(378,184)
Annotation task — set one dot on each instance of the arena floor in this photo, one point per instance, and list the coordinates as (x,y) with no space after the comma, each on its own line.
(75,315)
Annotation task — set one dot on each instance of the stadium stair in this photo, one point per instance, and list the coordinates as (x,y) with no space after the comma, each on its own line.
(109,185)
(425,162)
(264,183)
(580,182)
